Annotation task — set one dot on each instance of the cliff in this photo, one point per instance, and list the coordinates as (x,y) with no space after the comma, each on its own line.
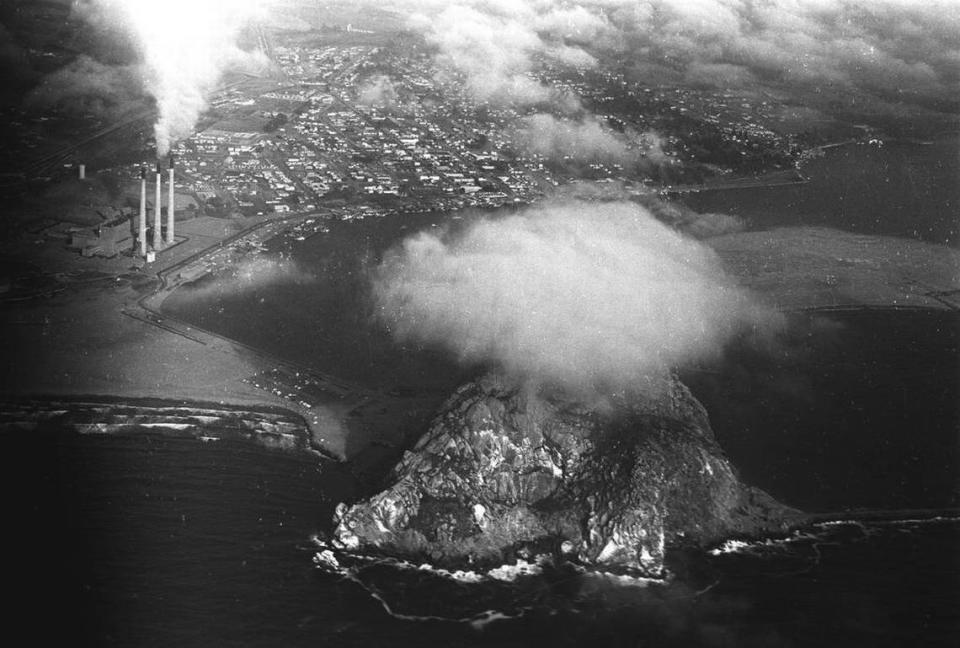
(504,471)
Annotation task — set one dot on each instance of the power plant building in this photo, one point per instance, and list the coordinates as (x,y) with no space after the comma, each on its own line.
(107,239)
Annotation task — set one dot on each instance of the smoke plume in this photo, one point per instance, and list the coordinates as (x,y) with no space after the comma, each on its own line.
(580,295)
(186,45)
(87,86)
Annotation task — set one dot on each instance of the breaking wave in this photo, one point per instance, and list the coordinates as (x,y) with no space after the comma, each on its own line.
(423,592)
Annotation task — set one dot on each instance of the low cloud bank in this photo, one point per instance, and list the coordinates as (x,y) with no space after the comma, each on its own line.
(903,48)
(585,139)
(378,91)
(585,296)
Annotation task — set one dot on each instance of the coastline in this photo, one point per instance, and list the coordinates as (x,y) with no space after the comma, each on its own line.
(109,337)
(271,427)
(796,176)
(99,339)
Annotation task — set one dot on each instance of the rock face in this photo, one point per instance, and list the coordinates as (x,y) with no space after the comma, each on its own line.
(616,484)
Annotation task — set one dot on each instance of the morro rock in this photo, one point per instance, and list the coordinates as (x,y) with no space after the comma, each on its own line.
(505,470)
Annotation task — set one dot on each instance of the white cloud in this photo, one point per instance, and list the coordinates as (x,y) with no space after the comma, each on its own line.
(581,295)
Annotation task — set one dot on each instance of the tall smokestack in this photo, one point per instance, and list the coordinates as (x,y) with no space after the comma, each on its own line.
(157,237)
(170,208)
(143,211)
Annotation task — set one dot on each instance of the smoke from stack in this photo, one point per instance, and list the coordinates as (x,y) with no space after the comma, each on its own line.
(592,297)
(186,45)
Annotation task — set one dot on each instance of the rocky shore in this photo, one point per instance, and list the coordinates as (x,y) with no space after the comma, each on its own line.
(508,471)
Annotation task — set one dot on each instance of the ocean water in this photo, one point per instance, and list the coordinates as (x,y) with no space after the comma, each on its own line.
(899,189)
(851,410)
(321,313)
(147,539)
(142,540)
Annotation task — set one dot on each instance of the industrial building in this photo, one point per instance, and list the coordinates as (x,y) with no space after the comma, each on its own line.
(106,239)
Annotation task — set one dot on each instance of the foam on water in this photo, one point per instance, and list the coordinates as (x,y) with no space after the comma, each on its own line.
(512,589)
(823,532)
(326,559)
(765,545)
(730,546)
(938,519)
(626,580)
(510,573)
(169,426)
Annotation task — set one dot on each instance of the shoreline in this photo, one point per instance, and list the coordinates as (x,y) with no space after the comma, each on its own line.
(875,308)
(272,427)
(117,343)
(90,341)
(279,411)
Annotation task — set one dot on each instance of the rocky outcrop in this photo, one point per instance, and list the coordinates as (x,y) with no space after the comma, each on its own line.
(505,470)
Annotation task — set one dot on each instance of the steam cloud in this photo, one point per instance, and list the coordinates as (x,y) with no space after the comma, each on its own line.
(580,295)
(186,46)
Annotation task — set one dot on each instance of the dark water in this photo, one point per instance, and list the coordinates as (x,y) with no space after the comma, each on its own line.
(325,318)
(147,540)
(900,189)
(849,410)
(138,540)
